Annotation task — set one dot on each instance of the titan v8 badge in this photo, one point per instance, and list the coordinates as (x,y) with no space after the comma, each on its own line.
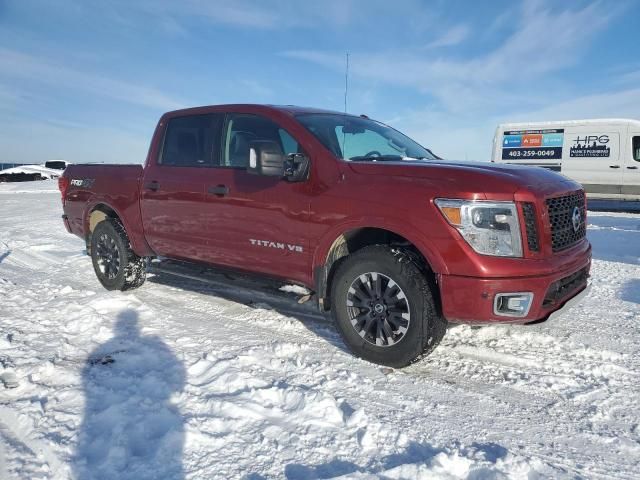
(276,245)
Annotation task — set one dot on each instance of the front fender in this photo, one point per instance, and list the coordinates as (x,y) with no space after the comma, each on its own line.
(396,226)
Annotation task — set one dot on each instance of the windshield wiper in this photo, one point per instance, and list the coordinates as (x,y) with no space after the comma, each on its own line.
(386,158)
(380,158)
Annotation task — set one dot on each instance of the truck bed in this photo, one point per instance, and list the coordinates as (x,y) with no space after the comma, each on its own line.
(115,185)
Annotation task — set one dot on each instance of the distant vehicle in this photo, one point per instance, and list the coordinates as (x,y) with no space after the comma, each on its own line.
(56,164)
(393,241)
(603,155)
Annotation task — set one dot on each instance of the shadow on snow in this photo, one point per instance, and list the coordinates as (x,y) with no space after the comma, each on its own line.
(631,291)
(253,291)
(415,453)
(130,428)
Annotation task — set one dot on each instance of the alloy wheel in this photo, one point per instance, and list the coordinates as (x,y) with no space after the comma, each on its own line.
(108,256)
(378,309)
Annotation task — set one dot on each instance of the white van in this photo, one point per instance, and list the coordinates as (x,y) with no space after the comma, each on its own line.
(603,155)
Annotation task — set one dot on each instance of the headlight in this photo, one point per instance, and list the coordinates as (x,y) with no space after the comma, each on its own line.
(491,228)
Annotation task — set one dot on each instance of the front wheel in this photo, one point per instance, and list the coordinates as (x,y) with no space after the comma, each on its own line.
(384,308)
(116,265)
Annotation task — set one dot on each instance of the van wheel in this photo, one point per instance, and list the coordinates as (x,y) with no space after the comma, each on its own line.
(383,307)
(116,265)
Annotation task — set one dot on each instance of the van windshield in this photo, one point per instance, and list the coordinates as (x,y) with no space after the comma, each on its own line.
(361,139)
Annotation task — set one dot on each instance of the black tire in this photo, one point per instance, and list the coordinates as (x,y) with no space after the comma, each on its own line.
(411,295)
(116,265)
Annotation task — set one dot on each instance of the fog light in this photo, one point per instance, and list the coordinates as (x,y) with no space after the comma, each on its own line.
(515,304)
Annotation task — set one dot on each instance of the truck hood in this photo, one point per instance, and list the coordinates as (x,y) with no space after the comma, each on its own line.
(494,180)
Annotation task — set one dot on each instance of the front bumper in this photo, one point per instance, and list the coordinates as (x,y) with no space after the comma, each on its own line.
(471,299)
(562,311)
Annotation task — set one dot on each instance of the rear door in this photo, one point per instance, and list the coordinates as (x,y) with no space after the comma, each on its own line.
(173,202)
(254,222)
(631,175)
(591,156)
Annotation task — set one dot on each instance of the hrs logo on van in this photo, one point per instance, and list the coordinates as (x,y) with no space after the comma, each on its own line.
(276,245)
(590,146)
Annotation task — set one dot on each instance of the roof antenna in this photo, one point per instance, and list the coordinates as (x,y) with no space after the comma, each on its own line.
(346,91)
(346,83)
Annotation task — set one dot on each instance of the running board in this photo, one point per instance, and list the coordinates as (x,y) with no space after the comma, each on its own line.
(251,290)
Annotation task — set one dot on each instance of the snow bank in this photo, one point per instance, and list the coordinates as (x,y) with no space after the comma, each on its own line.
(41,169)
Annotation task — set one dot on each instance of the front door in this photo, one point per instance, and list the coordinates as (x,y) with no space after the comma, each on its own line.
(254,222)
(631,175)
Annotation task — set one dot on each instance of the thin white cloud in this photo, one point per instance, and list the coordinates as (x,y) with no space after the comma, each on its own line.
(19,65)
(9,97)
(254,88)
(238,12)
(547,40)
(632,77)
(544,41)
(470,138)
(622,103)
(324,59)
(272,15)
(453,36)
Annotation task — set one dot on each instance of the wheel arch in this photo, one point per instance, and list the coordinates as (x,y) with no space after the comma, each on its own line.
(101,209)
(94,214)
(351,238)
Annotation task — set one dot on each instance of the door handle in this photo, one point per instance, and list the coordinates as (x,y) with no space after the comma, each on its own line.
(219,190)
(614,166)
(632,168)
(153,186)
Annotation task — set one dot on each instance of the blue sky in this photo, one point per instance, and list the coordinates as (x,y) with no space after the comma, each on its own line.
(87,80)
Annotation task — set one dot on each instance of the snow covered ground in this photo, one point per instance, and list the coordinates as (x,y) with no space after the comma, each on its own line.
(210,380)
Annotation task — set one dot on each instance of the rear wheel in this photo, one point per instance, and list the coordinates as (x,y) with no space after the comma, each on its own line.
(383,306)
(116,265)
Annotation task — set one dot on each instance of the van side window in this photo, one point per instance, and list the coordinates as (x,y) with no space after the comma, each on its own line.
(192,141)
(636,148)
(242,129)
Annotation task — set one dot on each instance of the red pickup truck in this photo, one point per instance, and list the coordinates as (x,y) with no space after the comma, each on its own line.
(394,241)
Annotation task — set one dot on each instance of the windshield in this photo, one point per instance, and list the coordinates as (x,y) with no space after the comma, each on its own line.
(358,138)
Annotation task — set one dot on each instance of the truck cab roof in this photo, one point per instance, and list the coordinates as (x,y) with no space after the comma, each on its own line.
(288,109)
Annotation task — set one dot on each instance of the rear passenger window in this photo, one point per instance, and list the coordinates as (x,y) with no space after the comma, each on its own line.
(192,141)
(243,129)
(636,149)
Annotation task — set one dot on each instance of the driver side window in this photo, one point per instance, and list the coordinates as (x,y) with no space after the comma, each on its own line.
(636,148)
(242,129)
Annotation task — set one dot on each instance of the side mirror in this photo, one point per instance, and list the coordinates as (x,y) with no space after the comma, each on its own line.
(297,167)
(266,158)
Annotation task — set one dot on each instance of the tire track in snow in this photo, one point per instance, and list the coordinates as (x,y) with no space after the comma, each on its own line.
(34,454)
